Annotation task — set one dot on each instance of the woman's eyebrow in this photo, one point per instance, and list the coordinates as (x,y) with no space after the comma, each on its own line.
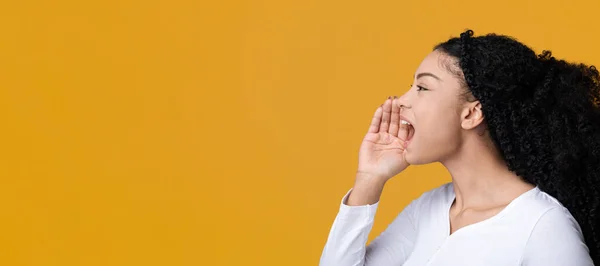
(427,74)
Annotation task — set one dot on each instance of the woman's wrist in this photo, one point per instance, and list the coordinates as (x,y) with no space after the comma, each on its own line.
(367,190)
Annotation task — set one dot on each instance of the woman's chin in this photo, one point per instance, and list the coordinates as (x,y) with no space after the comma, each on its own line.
(412,156)
(408,156)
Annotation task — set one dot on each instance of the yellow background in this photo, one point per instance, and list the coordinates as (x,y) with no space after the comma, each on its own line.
(216,132)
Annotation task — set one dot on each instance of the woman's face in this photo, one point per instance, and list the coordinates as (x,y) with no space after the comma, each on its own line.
(434,108)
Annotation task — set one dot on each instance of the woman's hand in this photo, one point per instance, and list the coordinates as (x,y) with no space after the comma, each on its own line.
(381,155)
(382,152)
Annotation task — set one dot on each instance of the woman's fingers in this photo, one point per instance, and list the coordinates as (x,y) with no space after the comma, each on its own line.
(395,118)
(376,121)
(385,118)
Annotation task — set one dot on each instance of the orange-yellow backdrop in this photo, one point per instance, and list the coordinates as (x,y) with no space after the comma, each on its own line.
(216,132)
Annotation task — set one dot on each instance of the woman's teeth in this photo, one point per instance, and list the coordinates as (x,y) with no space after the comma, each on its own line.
(404,122)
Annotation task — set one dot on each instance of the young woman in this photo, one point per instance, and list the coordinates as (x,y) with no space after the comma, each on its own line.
(520,135)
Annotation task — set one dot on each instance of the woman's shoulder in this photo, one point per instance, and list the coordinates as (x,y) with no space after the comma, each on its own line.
(442,193)
(555,235)
(431,204)
(543,202)
(552,207)
(544,210)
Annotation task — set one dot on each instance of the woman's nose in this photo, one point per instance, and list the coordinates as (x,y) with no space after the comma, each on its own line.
(403,101)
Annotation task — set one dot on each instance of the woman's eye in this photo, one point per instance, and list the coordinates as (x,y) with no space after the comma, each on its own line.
(419,88)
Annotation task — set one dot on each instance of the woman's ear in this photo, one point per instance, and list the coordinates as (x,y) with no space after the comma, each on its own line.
(472,115)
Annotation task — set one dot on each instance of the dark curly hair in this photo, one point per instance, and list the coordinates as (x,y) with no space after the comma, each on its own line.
(542,114)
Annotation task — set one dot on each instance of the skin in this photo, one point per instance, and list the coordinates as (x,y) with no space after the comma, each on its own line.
(448,129)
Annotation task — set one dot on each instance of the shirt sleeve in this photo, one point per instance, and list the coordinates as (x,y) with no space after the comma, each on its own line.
(556,240)
(346,243)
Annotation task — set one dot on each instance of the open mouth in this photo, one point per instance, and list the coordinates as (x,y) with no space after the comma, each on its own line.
(411,130)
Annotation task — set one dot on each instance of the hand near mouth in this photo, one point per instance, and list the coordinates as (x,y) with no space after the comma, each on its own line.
(383,150)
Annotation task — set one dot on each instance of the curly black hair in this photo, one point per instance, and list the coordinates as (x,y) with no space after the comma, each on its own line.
(542,114)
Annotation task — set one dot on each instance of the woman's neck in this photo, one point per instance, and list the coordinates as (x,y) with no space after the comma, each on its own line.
(481,177)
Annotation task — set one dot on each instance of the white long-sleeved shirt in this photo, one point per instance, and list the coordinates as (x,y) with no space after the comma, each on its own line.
(533,229)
